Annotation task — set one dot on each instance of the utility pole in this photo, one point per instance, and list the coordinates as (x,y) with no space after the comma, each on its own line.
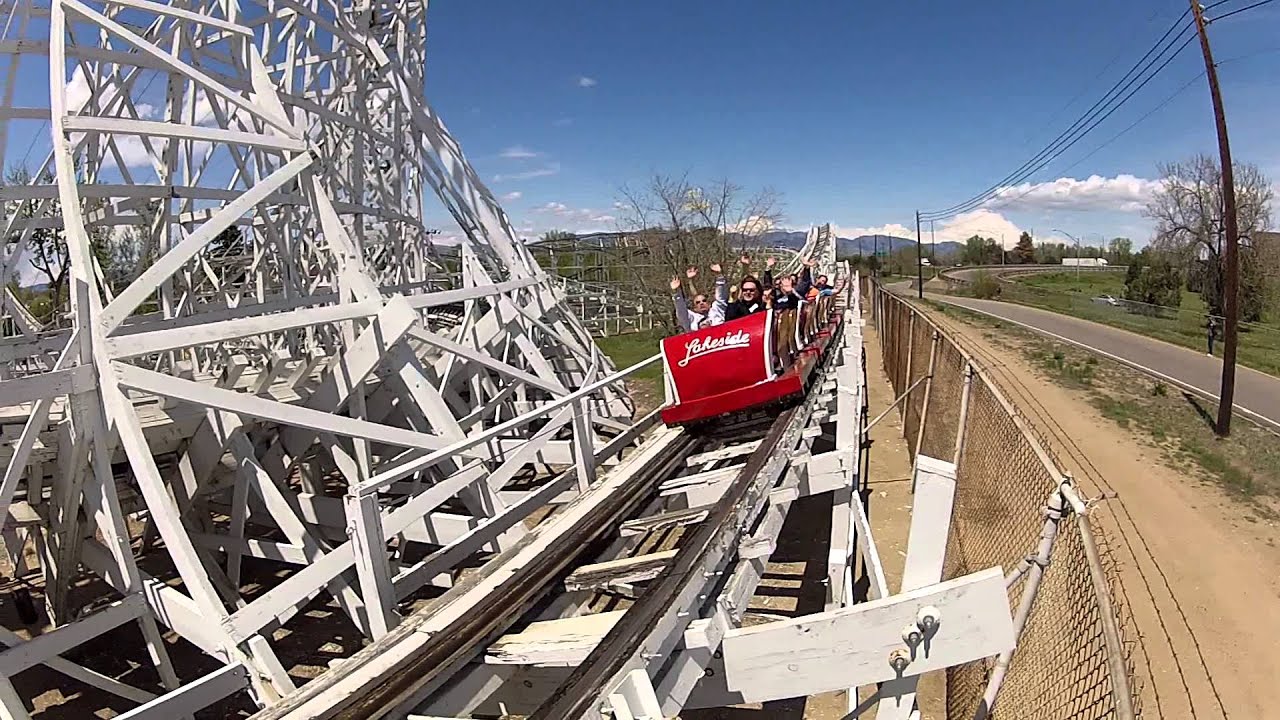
(919,271)
(1231,286)
(875,252)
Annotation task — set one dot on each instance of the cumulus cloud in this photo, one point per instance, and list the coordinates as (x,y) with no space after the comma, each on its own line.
(513,195)
(587,82)
(518,152)
(1124,193)
(545,171)
(560,216)
(984,222)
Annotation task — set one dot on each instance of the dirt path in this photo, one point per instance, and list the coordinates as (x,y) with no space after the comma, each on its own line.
(1200,579)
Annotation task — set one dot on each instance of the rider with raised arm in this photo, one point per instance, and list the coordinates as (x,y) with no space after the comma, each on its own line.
(704,312)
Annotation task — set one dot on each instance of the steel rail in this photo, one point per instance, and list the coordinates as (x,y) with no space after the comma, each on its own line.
(454,644)
(650,627)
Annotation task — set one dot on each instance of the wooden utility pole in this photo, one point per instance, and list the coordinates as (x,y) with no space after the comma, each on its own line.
(919,271)
(1230,255)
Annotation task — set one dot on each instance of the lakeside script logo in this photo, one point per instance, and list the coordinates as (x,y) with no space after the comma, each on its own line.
(698,347)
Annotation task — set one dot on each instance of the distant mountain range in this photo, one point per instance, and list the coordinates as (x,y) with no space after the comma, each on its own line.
(863,244)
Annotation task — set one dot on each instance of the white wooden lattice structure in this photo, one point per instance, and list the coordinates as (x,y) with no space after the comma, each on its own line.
(305,389)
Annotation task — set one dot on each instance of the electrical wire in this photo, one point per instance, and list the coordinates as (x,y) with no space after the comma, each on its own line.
(1086,123)
(1161,46)
(1115,137)
(1236,12)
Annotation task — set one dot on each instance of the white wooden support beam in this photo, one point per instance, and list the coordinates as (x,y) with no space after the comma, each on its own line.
(635,699)
(935,487)
(52,644)
(853,646)
(89,677)
(372,567)
(193,696)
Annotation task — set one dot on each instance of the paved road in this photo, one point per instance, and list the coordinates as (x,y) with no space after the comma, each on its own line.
(972,273)
(1255,391)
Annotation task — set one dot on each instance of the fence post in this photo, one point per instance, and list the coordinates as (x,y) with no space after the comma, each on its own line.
(1120,689)
(964,414)
(906,368)
(928,386)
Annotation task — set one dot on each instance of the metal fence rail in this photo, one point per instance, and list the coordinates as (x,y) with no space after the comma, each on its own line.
(1072,662)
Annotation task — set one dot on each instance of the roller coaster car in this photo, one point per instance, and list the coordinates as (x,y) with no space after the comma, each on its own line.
(759,361)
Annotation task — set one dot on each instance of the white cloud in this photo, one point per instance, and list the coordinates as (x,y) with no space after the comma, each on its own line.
(562,122)
(559,216)
(547,170)
(1124,193)
(513,195)
(587,82)
(518,152)
(986,223)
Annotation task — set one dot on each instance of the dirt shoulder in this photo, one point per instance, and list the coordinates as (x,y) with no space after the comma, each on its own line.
(1192,523)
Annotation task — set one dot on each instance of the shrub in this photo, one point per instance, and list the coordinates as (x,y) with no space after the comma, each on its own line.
(986,287)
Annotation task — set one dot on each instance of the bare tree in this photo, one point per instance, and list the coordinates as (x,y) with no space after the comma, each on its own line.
(1188,212)
(682,224)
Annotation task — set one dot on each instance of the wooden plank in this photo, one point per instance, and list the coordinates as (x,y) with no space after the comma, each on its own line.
(629,569)
(725,453)
(553,643)
(52,644)
(663,521)
(851,646)
(935,485)
(193,696)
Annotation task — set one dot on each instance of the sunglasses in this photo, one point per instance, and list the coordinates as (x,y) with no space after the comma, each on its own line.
(746,290)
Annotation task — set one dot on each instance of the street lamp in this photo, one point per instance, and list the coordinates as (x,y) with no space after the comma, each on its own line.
(1077,241)
(1002,251)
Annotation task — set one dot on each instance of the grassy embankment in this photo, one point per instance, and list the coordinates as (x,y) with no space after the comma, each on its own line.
(1179,425)
(626,350)
(1068,294)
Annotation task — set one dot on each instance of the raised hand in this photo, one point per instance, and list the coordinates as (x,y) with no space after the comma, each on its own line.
(745,260)
(675,284)
(691,273)
(715,268)
(810,262)
(771,262)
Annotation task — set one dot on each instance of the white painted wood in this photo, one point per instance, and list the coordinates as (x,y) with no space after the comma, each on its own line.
(725,453)
(565,642)
(193,696)
(51,644)
(92,678)
(851,646)
(935,484)
(602,575)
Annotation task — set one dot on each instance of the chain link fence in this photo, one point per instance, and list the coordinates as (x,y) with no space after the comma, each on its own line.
(1072,660)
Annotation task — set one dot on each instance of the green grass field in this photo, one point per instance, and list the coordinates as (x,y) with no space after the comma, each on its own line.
(1068,294)
(629,349)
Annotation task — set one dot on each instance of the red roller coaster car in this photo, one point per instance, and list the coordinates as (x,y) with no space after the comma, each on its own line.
(759,360)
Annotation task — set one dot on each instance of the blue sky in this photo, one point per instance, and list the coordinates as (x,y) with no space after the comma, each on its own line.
(859,113)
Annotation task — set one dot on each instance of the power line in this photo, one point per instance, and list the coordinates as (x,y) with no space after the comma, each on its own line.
(1161,46)
(1113,138)
(1109,103)
(1236,12)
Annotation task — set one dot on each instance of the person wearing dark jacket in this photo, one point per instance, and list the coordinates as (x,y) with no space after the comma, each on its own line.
(750,300)
(788,294)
